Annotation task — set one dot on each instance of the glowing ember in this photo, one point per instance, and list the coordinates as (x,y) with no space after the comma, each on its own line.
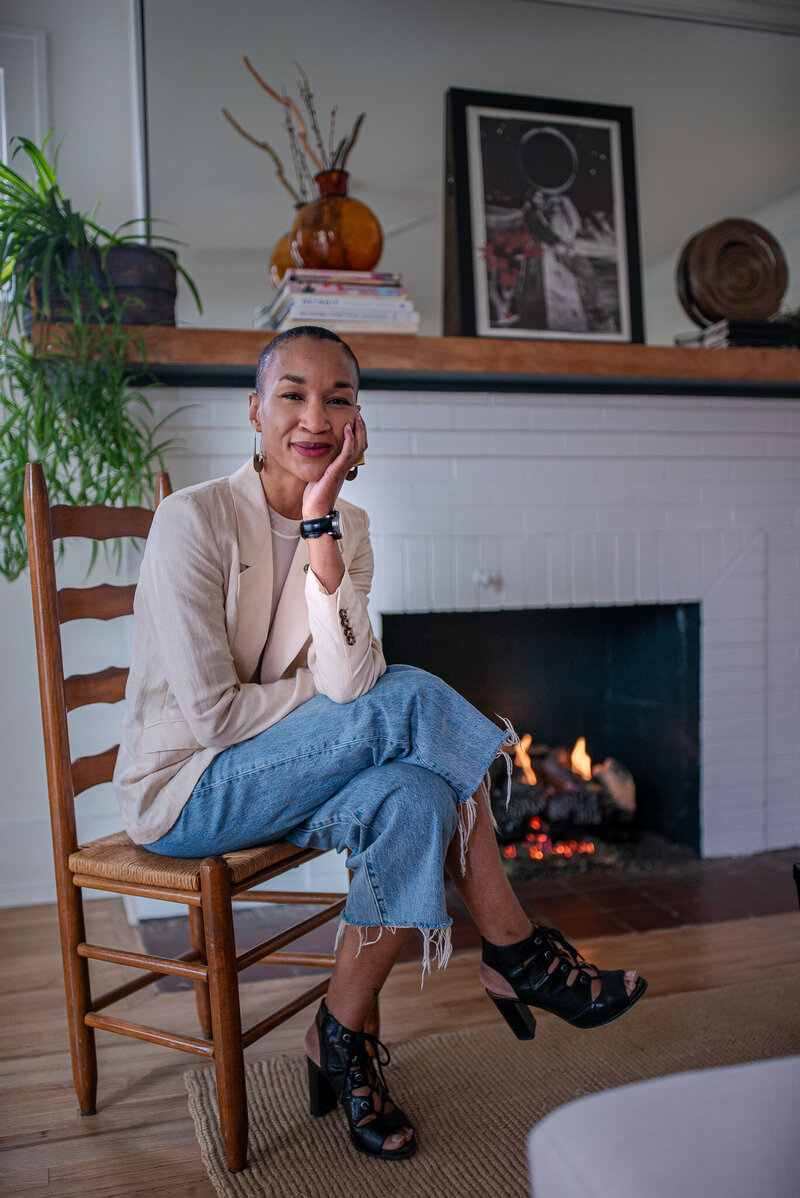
(580,762)
(551,803)
(560,774)
(522,759)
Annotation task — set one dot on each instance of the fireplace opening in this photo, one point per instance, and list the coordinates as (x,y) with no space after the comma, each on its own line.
(625,678)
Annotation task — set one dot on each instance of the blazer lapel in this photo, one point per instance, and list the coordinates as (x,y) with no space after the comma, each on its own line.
(290,629)
(250,618)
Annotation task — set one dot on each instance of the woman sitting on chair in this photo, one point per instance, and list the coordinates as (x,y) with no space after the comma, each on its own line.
(260,708)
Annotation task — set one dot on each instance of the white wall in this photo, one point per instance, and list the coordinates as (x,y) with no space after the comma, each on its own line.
(716,120)
(91,108)
(90,88)
(715,112)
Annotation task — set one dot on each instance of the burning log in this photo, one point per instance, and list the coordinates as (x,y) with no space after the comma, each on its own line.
(557,770)
(618,783)
(525,802)
(563,793)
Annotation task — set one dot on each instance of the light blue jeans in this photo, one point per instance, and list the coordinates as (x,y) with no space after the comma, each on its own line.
(381,778)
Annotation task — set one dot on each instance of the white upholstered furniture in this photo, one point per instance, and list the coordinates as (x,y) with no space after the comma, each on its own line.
(714,1133)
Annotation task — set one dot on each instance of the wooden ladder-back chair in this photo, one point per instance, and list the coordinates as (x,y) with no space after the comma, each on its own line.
(115,864)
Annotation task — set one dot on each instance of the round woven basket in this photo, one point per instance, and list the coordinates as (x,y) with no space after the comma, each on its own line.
(733,270)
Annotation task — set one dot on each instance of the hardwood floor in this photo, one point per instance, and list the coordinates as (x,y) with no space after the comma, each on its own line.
(142,1142)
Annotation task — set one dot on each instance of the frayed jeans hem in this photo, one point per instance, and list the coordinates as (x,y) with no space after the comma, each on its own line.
(437,946)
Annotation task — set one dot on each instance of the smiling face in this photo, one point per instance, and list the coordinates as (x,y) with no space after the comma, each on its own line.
(308,395)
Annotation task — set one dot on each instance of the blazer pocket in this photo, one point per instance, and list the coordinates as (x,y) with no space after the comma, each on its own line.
(168,735)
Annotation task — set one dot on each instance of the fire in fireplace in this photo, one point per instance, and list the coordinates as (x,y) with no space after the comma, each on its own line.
(625,678)
(563,806)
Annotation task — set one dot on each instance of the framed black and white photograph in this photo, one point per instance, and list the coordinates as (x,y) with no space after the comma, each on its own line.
(542,236)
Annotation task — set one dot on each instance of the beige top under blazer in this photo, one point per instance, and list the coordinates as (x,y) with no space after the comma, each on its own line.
(201,623)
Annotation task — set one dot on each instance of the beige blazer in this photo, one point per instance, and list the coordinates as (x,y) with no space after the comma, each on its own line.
(201,621)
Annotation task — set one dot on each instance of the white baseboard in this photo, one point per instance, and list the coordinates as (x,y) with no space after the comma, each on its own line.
(26,859)
(26,876)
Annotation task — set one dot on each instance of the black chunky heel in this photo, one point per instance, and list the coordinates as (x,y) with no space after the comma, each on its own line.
(321,1095)
(517,1015)
(350,1072)
(547,972)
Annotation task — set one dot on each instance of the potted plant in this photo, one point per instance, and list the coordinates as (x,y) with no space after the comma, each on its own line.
(46,248)
(65,394)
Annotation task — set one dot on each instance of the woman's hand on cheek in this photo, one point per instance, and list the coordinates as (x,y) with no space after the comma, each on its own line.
(319,498)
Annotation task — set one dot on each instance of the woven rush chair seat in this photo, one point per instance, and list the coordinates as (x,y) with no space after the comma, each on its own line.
(205,888)
(117,858)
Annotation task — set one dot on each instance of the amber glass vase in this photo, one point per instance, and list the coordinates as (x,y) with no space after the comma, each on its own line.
(334,231)
(281,257)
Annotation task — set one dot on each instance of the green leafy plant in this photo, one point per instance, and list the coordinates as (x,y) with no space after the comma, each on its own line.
(42,237)
(66,397)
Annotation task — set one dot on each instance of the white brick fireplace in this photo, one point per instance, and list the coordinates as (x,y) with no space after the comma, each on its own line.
(553,500)
(489,500)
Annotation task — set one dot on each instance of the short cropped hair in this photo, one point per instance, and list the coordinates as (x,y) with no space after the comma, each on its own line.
(313,331)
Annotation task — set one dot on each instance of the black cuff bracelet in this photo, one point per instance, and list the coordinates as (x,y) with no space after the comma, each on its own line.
(331,524)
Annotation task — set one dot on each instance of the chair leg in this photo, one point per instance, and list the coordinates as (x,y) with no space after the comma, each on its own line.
(226,1022)
(79,998)
(197,935)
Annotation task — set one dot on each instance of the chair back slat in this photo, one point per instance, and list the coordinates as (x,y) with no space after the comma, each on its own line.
(51,671)
(91,771)
(99,523)
(45,524)
(104,686)
(102,602)
(163,486)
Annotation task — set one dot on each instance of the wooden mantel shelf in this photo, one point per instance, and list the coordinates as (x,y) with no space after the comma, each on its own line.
(218,357)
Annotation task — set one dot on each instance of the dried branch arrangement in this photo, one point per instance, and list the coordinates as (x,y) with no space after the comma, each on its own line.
(325,154)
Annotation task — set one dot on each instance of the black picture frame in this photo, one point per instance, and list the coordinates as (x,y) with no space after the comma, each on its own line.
(541,219)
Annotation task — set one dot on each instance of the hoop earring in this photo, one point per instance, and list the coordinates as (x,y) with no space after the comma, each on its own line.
(258,456)
(352,473)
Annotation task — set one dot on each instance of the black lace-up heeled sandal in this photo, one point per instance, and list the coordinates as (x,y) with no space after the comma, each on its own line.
(349,1074)
(547,972)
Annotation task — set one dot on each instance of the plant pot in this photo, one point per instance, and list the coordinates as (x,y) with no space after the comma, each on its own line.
(142,279)
(336,232)
(144,282)
(79,275)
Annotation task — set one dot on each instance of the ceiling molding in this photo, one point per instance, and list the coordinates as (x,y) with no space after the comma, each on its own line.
(771,16)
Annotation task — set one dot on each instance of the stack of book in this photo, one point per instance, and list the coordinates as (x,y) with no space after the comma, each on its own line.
(345,301)
(769,334)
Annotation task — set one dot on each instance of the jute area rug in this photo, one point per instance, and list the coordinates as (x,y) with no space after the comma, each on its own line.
(474,1095)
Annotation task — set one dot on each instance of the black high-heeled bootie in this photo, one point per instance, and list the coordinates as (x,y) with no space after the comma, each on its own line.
(547,972)
(345,1066)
